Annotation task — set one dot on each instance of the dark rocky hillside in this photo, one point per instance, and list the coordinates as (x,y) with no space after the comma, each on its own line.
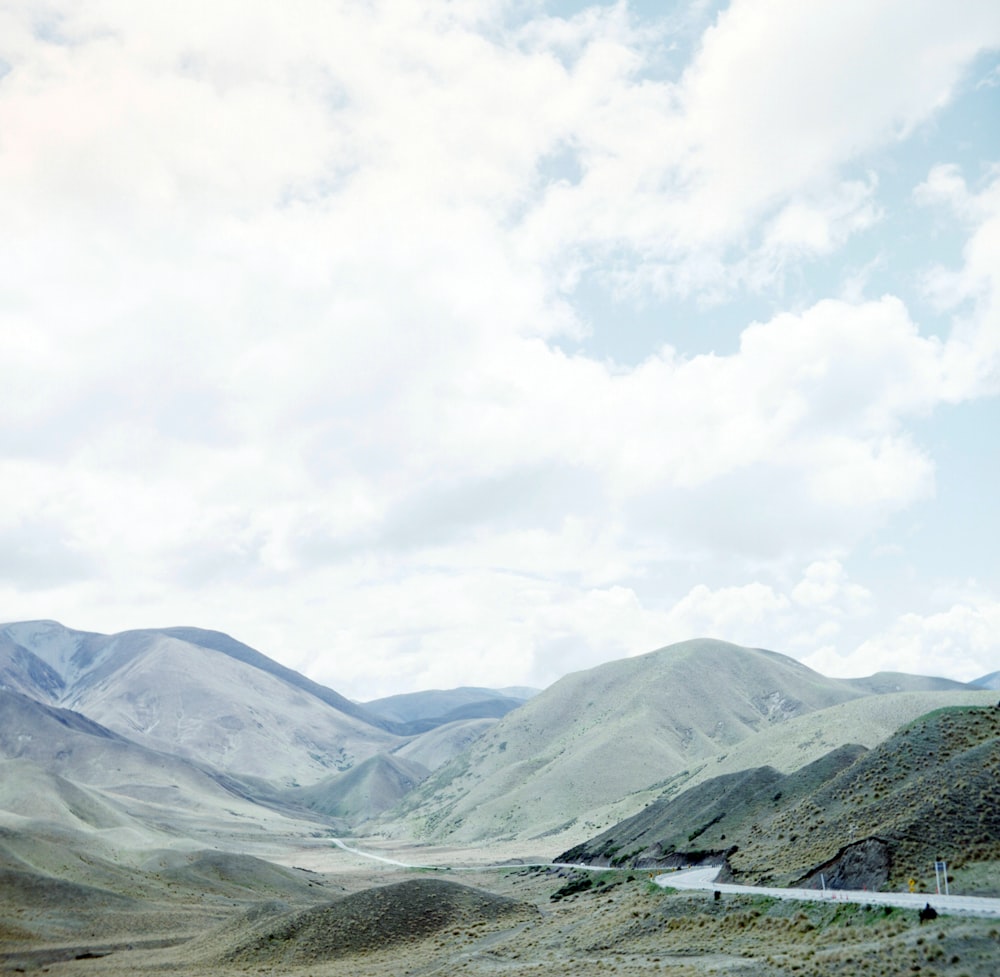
(857,817)
(709,819)
(931,791)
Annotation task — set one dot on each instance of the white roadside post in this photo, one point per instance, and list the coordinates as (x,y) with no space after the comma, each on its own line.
(942,868)
(941,872)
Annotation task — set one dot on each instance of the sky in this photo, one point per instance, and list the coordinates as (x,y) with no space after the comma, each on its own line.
(425,344)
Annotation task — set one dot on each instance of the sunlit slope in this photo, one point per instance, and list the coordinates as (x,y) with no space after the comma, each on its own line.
(215,703)
(29,793)
(595,736)
(61,769)
(173,695)
(867,721)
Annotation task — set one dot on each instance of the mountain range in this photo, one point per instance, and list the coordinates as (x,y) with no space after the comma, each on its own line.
(182,738)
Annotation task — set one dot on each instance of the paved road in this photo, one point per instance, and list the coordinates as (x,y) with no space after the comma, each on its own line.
(704,878)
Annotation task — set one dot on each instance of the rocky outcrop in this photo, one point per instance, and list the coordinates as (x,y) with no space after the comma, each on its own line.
(864,865)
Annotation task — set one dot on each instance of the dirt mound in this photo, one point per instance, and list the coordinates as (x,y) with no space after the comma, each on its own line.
(235,876)
(375,919)
(36,890)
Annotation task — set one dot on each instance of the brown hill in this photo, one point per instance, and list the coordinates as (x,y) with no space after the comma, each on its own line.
(375,919)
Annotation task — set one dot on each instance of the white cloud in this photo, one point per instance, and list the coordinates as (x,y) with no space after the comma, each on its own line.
(959,643)
(825,587)
(734,613)
(812,228)
(284,292)
(971,292)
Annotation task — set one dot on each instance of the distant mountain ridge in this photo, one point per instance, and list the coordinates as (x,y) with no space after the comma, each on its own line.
(991,681)
(884,683)
(217,702)
(67,656)
(462,765)
(417,712)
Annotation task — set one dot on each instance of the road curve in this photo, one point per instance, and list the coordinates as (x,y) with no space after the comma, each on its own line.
(704,878)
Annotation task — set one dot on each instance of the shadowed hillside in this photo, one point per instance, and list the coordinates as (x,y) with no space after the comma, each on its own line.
(710,818)
(858,817)
(991,681)
(930,791)
(368,789)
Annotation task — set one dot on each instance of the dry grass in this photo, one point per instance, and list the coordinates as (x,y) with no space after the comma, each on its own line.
(505,922)
(931,791)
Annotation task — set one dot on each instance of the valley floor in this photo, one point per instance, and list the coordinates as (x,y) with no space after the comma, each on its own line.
(600,923)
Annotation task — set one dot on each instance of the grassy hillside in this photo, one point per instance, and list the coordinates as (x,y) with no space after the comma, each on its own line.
(791,745)
(371,787)
(930,791)
(436,747)
(708,819)
(596,736)
(857,817)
